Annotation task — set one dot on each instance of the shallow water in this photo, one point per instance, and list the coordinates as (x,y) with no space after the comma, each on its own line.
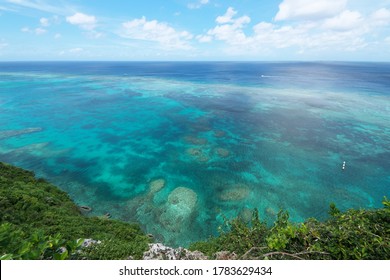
(179,146)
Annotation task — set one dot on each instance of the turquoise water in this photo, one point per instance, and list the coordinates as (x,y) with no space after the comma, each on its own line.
(179,146)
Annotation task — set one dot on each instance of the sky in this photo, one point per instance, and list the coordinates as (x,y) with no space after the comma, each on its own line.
(202,30)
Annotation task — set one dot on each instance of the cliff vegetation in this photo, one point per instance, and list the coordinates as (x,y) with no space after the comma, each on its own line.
(39,221)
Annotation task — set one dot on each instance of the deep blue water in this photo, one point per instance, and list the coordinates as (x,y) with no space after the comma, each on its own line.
(179,146)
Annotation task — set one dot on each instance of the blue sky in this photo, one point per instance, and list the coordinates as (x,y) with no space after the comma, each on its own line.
(195,30)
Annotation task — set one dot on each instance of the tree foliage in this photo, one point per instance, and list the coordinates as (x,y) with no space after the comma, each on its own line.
(39,221)
(352,235)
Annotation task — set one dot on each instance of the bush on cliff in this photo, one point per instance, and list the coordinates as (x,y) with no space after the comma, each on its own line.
(354,234)
(39,221)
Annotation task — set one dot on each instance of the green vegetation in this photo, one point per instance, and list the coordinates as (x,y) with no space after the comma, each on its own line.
(355,234)
(39,221)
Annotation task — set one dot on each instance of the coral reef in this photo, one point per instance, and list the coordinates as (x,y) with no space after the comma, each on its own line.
(194,152)
(11,133)
(195,140)
(198,154)
(202,124)
(184,197)
(222,152)
(41,149)
(235,193)
(219,133)
(245,215)
(179,208)
(269,211)
(156,185)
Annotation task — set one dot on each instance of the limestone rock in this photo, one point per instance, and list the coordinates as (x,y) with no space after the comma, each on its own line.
(158,251)
(90,242)
(225,255)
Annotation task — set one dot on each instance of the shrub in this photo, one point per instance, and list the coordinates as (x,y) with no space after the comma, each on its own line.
(39,221)
(354,234)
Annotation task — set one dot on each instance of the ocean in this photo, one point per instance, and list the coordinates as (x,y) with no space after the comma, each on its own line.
(179,147)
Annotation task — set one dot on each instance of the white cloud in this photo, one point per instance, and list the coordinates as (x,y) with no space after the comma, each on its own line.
(345,21)
(72,52)
(3,44)
(198,4)
(40,31)
(76,50)
(204,38)
(230,29)
(161,32)
(42,6)
(309,9)
(227,17)
(229,33)
(304,37)
(380,17)
(37,31)
(267,35)
(343,32)
(57,36)
(84,21)
(44,22)
(93,34)
(6,9)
